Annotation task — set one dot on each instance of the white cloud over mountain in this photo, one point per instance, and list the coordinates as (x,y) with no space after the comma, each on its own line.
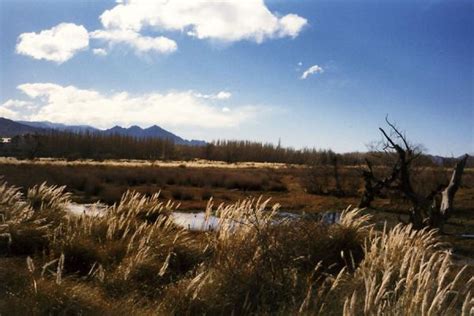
(6,112)
(57,44)
(72,105)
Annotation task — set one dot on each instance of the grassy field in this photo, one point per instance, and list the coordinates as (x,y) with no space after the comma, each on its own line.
(296,188)
(134,260)
(192,186)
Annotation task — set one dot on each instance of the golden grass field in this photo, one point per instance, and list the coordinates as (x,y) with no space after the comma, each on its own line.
(196,163)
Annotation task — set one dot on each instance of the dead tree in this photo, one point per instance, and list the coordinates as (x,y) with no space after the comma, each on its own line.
(441,212)
(373,186)
(425,210)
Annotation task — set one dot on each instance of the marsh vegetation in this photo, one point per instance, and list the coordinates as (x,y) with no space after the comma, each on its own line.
(134,260)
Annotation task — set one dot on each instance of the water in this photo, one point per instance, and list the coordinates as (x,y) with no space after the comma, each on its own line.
(87,209)
(197,221)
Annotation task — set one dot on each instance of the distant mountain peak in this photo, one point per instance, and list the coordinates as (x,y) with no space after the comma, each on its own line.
(153,131)
(154,127)
(10,128)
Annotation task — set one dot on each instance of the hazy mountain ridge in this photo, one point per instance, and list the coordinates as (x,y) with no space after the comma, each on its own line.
(151,132)
(60,126)
(9,128)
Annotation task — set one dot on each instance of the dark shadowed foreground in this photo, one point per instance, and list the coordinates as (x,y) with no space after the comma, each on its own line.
(134,260)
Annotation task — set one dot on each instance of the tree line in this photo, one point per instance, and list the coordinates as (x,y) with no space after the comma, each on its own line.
(56,144)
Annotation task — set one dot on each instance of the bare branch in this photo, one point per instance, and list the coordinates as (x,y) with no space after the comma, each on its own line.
(400,135)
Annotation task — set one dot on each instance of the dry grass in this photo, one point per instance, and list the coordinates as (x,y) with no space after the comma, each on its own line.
(262,264)
(196,163)
(408,272)
(132,259)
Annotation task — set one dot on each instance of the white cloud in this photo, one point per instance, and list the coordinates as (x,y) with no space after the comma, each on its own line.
(7,113)
(140,44)
(14,109)
(57,44)
(124,24)
(17,104)
(228,21)
(221,95)
(291,25)
(315,69)
(99,52)
(71,105)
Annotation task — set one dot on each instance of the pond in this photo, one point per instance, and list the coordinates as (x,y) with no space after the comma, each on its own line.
(198,221)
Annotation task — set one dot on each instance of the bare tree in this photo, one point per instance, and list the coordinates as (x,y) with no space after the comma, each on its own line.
(373,186)
(425,210)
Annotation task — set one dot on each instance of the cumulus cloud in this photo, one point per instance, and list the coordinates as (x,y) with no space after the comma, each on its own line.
(5,112)
(71,105)
(227,21)
(315,69)
(291,25)
(17,104)
(140,44)
(15,109)
(99,52)
(57,44)
(127,22)
(221,95)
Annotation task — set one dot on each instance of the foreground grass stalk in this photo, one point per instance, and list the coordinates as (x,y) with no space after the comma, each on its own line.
(134,257)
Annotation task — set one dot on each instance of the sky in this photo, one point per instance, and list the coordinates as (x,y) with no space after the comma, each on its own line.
(311,73)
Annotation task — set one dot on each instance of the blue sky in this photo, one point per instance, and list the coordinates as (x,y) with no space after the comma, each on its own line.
(234,71)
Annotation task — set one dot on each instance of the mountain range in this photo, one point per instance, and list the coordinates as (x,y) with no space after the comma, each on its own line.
(10,128)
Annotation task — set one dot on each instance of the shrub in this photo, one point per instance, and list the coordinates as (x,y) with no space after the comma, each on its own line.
(259,267)
(405,272)
(28,224)
(30,292)
(44,198)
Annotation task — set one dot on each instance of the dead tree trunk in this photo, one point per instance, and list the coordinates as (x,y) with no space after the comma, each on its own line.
(450,191)
(374,186)
(424,211)
(369,192)
(439,215)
